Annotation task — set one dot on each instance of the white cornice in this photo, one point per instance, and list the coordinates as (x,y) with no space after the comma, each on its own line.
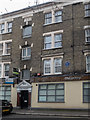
(87,26)
(10,40)
(53,32)
(39,9)
(52,55)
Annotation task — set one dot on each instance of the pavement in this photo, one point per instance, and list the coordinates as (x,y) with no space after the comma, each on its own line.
(50,112)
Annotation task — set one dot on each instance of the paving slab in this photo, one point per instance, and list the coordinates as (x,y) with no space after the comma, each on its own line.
(42,112)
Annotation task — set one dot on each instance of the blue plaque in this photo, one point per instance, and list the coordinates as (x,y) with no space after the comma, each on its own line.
(67,64)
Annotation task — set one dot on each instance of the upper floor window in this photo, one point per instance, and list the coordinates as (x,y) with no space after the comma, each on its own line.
(48,18)
(58,16)
(53,17)
(8,48)
(52,66)
(25,74)
(26,53)
(87,35)
(47,66)
(57,65)
(88,63)
(87,10)
(5,47)
(27,31)
(47,42)
(5,27)
(57,40)
(53,40)
(4,69)
(2,28)
(9,28)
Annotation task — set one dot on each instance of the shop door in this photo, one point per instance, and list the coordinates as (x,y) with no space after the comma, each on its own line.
(24,99)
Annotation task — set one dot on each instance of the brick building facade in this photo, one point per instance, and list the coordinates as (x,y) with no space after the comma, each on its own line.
(49,45)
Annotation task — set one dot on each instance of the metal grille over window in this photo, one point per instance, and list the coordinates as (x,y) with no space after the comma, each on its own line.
(51,93)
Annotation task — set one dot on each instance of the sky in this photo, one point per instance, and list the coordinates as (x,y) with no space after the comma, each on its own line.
(12,5)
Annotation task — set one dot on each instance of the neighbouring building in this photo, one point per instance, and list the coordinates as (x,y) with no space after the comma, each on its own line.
(45,55)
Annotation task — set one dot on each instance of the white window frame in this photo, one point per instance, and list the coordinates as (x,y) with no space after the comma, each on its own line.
(86,35)
(58,15)
(87,64)
(53,17)
(48,19)
(52,65)
(4,50)
(3,69)
(47,67)
(5,30)
(59,65)
(87,10)
(9,28)
(52,34)
(26,57)
(2,28)
(58,41)
(47,42)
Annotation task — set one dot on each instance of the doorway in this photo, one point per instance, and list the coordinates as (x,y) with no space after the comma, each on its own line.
(24,99)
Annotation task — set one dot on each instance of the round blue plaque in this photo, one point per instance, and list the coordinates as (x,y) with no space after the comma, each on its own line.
(67,64)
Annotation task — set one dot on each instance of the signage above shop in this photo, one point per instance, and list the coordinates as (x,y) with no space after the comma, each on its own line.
(9,80)
(72,78)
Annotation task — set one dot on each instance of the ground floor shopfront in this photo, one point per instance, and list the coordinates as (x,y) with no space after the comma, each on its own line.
(69,92)
(61,93)
(9,92)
